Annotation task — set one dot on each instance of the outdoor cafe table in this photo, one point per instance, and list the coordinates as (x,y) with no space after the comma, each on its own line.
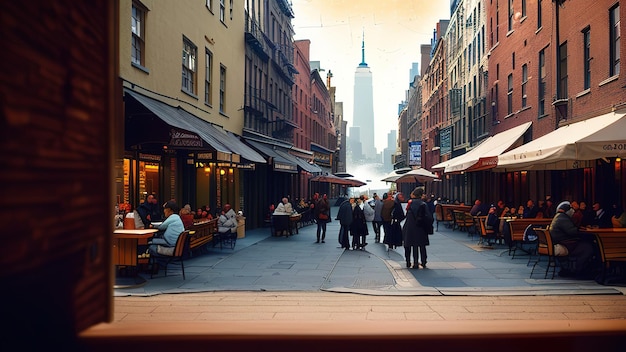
(612,246)
(125,243)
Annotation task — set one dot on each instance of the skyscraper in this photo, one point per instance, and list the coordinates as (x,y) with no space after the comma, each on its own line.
(363,113)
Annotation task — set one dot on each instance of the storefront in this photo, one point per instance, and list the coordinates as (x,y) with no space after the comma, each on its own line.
(175,155)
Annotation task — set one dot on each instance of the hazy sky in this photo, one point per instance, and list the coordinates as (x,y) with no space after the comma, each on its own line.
(394,31)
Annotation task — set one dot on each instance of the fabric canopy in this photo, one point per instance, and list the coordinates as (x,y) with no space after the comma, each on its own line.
(484,156)
(338,180)
(570,146)
(410,175)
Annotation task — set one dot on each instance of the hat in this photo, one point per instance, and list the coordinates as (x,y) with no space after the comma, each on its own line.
(170,204)
(565,206)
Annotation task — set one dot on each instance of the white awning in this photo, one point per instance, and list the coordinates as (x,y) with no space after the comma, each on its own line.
(571,146)
(484,156)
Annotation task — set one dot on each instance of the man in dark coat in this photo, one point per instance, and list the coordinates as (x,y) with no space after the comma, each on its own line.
(414,233)
(344,215)
(563,231)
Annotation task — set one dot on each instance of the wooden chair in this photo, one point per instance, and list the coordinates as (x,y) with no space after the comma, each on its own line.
(487,235)
(181,248)
(464,221)
(545,247)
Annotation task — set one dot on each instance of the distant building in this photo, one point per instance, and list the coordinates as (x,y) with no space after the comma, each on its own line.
(363,113)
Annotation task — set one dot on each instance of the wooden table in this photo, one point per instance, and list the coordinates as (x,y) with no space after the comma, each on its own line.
(612,246)
(125,255)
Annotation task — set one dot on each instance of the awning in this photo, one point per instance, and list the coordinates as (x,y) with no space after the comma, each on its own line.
(306,166)
(281,161)
(485,155)
(189,126)
(237,146)
(571,146)
(338,180)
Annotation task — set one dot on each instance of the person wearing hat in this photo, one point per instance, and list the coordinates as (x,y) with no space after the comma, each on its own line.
(564,232)
(170,229)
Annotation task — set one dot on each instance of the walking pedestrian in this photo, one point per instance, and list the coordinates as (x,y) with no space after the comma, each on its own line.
(378,219)
(322,216)
(358,228)
(385,214)
(393,239)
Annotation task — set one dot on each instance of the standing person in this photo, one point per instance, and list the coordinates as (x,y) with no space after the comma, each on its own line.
(358,228)
(169,231)
(344,215)
(414,231)
(378,219)
(368,210)
(322,216)
(394,238)
(385,214)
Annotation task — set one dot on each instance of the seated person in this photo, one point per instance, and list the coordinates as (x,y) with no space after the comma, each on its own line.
(284,208)
(227,222)
(563,231)
(602,218)
(477,208)
(186,215)
(169,231)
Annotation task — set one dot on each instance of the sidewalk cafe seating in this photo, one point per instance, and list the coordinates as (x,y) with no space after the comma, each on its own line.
(513,233)
(612,247)
(180,251)
(464,221)
(201,234)
(545,247)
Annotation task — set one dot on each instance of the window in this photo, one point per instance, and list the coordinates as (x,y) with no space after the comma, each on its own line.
(523,8)
(615,40)
(562,71)
(137,24)
(539,14)
(587,58)
(208,73)
(209,5)
(524,81)
(222,10)
(509,98)
(541,96)
(190,53)
(231,10)
(222,88)
(511,14)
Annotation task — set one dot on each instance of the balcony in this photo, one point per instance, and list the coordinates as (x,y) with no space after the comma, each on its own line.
(255,38)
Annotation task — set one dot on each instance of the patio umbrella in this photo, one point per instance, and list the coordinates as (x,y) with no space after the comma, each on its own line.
(338,180)
(410,175)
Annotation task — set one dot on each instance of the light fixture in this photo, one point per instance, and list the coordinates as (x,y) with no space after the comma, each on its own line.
(222,172)
(230,171)
(207,169)
(618,159)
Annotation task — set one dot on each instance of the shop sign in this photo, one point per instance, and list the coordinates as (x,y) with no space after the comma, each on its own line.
(321,158)
(204,156)
(184,139)
(149,157)
(415,153)
(286,167)
(445,141)
(246,166)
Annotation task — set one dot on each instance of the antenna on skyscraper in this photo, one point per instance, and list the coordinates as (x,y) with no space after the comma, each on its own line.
(363,63)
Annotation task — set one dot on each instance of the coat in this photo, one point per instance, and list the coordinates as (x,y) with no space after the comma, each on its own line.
(344,215)
(358,226)
(227,222)
(414,230)
(322,207)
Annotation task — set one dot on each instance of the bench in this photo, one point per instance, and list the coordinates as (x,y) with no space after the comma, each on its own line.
(202,233)
(513,232)
(612,248)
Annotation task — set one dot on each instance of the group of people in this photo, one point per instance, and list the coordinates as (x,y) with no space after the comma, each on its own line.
(176,220)
(388,214)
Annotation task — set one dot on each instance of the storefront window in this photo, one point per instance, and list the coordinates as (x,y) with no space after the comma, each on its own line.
(148,178)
